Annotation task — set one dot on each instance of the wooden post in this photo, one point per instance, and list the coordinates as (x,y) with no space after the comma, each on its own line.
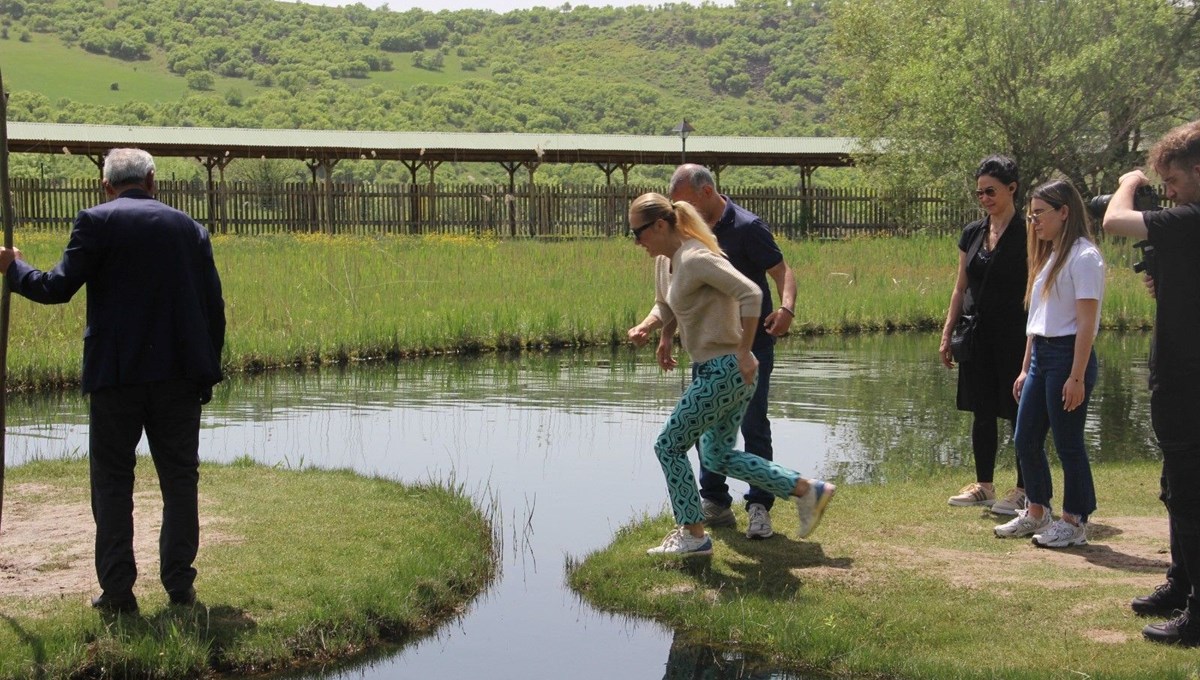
(510,199)
(414,201)
(6,295)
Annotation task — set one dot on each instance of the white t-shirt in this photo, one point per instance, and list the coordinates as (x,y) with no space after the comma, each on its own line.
(1081,278)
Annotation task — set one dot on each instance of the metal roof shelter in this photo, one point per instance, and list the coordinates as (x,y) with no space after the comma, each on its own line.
(415,149)
(320,150)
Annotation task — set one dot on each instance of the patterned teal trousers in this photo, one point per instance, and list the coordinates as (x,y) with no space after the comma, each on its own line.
(710,412)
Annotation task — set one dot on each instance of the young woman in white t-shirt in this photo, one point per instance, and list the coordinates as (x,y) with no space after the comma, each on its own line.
(1066,286)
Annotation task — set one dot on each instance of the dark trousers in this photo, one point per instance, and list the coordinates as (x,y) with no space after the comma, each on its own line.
(1174,417)
(756,431)
(169,413)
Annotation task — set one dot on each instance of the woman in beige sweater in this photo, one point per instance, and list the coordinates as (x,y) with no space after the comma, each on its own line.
(716,310)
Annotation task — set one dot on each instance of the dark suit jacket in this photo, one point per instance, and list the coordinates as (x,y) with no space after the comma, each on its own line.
(154,305)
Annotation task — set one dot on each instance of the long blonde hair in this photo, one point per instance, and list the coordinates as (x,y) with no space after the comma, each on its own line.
(681,215)
(1055,193)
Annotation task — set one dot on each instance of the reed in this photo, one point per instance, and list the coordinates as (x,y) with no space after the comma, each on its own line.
(309,299)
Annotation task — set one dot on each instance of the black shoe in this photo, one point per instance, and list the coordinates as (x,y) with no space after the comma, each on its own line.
(1180,630)
(1164,601)
(183,598)
(115,604)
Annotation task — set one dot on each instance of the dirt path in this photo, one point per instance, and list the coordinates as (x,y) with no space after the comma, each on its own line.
(46,543)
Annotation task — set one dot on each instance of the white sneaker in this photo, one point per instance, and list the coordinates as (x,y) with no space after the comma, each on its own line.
(1024,524)
(717,515)
(811,506)
(760,522)
(1061,534)
(681,542)
(1012,503)
(971,495)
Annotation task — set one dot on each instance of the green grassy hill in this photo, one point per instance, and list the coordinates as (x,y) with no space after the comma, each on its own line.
(753,69)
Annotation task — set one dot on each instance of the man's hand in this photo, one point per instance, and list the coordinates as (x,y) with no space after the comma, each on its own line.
(778,322)
(1148,281)
(1134,175)
(7,256)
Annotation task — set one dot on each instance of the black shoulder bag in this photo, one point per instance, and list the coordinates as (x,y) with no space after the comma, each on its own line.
(962,337)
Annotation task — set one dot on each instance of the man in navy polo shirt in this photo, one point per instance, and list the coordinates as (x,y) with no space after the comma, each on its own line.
(751,248)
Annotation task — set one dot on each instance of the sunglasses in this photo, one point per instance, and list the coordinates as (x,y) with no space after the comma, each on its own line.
(1035,216)
(990,192)
(637,233)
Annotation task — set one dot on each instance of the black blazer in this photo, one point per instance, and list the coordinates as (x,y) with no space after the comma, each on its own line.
(154,305)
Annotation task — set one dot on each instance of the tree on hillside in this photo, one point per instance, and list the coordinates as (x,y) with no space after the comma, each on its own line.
(1074,87)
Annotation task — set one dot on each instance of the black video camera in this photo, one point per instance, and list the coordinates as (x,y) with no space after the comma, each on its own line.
(1145,198)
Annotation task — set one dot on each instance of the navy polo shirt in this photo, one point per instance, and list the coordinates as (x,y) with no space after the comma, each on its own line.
(751,248)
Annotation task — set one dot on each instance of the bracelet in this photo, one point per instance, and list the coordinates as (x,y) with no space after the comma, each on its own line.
(790,312)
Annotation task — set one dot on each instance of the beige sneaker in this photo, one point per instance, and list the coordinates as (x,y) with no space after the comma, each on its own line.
(1013,502)
(973,494)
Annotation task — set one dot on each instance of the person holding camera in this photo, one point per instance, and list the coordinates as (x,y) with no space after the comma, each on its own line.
(1174,235)
(1065,287)
(992,273)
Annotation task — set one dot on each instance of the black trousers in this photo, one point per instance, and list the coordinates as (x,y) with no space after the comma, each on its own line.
(1174,416)
(169,413)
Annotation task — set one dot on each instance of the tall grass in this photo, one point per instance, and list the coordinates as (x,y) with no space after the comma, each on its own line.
(312,299)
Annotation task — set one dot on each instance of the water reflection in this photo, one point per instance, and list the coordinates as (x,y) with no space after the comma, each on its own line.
(563,443)
(691,661)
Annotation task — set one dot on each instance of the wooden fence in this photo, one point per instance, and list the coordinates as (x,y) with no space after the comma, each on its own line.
(528,211)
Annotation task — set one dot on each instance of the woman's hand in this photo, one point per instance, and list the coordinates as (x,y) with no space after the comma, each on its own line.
(748,365)
(1019,385)
(638,335)
(663,353)
(944,352)
(1073,393)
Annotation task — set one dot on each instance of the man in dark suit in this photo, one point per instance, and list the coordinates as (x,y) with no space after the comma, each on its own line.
(151,354)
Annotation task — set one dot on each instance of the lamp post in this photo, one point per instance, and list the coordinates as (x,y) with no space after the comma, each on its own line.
(683,130)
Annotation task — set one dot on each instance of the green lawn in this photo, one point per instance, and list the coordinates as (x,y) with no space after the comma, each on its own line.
(295,567)
(897,584)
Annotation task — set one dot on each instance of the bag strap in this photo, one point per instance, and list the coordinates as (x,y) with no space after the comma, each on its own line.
(971,256)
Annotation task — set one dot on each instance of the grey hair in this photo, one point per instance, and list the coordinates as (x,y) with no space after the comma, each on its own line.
(696,176)
(127,166)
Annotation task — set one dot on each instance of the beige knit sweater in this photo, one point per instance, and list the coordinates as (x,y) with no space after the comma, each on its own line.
(707,296)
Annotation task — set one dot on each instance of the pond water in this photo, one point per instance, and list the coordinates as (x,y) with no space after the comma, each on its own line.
(562,442)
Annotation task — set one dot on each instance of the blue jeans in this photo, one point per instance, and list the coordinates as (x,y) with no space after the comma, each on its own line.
(709,413)
(756,432)
(1040,411)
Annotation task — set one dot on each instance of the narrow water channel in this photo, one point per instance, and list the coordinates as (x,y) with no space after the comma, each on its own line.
(562,443)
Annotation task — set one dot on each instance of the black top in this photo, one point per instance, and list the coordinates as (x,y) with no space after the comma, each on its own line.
(1001,307)
(154,305)
(985,383)
(751,249)
(1175,349)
